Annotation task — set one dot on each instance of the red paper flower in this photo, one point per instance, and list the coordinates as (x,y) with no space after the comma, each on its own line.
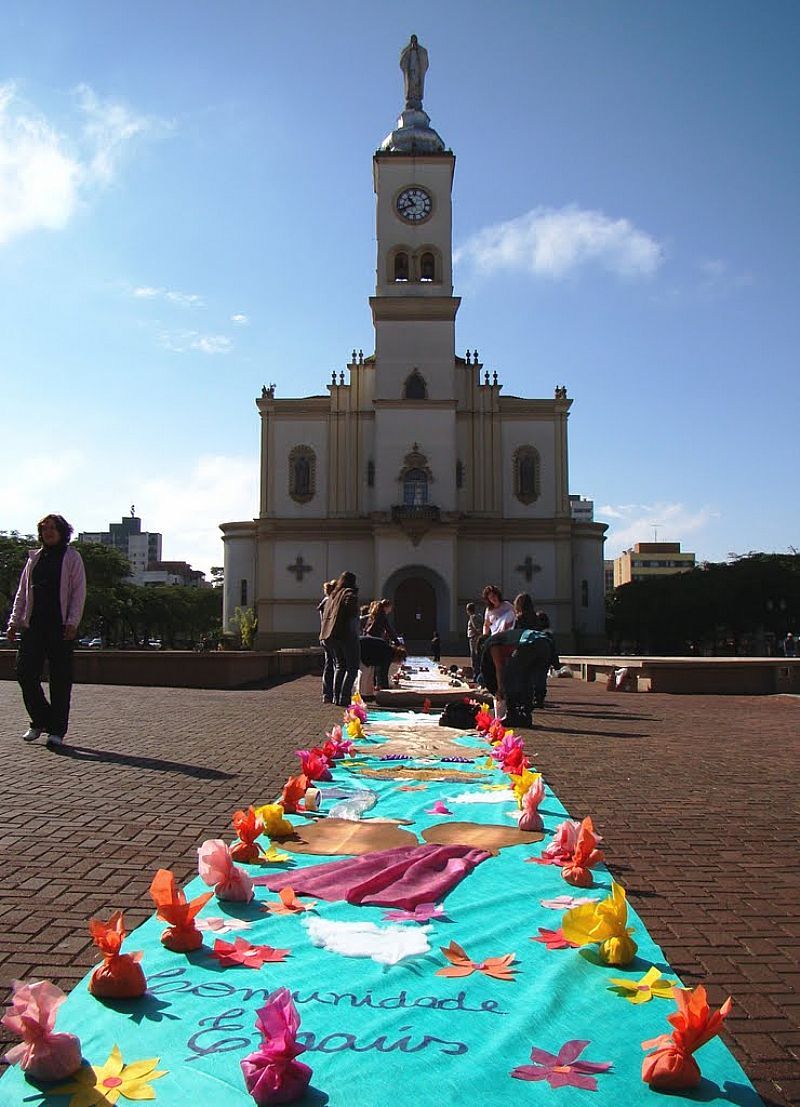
(554,939)
(241,952)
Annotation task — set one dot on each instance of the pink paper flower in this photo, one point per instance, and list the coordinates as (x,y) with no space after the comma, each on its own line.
(218,870)
(563,1070)
(356,711)
(566,903)
(422,913)
(554,939)
(216,924)
(509,751)
(31,1016)
(562,847)
(439,808)
(529,817)
(314,764)
(339,747)
(271,1073)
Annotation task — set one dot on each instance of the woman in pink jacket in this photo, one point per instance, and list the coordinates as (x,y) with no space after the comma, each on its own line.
(46,613)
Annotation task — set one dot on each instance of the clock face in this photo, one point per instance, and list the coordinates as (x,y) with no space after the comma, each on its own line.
(414,204)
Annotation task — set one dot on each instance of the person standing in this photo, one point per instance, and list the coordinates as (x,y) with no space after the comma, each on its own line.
(47,610)
(436,646)
(474,630)
(327,669)
(339,633)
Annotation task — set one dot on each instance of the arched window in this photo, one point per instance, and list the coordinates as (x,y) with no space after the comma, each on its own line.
(526,474)
(415,488)
(401,267)
(302,474)
(415,387)
(427,267)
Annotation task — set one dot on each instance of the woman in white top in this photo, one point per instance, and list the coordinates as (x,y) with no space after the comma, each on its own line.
(499,612)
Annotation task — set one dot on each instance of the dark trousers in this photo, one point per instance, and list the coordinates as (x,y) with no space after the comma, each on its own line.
(346,661)
(327,672)
(37,645)
(474,657)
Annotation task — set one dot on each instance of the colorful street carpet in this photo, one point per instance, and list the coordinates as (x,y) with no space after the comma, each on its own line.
(511,1013)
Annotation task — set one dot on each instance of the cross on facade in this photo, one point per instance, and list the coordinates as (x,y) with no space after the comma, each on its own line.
(528,568)
(299,568)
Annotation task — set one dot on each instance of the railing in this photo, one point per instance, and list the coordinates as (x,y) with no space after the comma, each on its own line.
(402,513)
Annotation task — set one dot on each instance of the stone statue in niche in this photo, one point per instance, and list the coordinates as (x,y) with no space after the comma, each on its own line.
(302,476)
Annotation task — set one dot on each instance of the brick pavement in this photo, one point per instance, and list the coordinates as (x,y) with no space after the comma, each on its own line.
(695,796)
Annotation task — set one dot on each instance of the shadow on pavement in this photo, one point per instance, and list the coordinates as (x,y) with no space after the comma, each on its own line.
(86,753)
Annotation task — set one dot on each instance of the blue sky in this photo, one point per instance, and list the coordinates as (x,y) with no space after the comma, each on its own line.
(186,212)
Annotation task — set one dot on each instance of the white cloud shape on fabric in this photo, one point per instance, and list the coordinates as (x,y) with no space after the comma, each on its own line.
(385,944)
(46,173)
(555,242)
(482,797)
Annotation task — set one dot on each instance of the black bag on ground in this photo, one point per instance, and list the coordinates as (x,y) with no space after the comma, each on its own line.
(459,714)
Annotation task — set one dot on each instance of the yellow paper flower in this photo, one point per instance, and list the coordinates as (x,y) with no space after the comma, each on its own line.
(522,783)
(603,922)
(652,984)
(274,856)
(356,698)
(99,1085)
(271,815)
(354,729)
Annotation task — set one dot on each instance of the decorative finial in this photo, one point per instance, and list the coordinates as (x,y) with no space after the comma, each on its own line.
(469,356)
(486,377)
(475,356)
(360,357)
(333,377)
(341,378)
(494,377)
(353,359)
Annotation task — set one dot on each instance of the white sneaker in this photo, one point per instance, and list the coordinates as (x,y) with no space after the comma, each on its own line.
(31,734)
(54,741)
(500,709)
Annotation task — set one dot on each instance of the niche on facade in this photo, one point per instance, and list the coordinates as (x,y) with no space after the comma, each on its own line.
(370,473)
(415,477)
(415,387)
(302,474)
(527,477)
(459,474)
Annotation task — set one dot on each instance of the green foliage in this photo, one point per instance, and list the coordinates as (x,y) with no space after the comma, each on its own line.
(743,605)
(13,555)
(245,621)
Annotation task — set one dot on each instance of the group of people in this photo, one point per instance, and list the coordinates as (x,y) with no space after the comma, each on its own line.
(353,635)
(511,651)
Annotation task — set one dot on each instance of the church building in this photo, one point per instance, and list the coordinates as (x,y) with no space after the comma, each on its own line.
(414,470)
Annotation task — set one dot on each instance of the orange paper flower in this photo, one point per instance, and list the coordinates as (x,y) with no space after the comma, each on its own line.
(671,1067)
(500,968)
(248,826)
(578,870)
(294,790)
(182,934)
(289,904)
(120,975)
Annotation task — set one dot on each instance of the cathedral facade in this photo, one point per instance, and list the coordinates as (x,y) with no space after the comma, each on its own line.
(414,471)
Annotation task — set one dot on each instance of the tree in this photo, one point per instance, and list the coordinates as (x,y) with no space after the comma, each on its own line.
(245,621)
(217,576)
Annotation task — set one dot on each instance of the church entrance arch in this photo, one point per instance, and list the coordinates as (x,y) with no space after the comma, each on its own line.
(421,603)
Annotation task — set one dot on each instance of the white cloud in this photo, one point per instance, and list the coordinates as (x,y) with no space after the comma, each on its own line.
(554,242)
(185,299)
(240,320)
(45,173)
(181,342)
(718,278)
(631,523)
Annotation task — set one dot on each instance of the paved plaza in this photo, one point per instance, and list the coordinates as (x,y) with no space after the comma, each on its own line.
(696,797)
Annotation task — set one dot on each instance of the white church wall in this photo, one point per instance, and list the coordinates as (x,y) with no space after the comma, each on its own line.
(286,433)
(434,432)
(480,562)
(541,434)
(427,347)
(542,585)
(285,553)
(587,564)
(240,562)
(354,556)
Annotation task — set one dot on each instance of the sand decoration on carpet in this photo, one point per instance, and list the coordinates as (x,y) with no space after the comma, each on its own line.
(444,955)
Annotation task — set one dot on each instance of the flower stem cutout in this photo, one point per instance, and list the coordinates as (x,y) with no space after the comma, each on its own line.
(563,1069)
(500,968)
(99,1085)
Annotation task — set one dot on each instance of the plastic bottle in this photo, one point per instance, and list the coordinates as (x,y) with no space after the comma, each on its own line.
(354,806)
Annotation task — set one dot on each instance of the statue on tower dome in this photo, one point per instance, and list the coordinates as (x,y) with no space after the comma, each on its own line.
(414,63)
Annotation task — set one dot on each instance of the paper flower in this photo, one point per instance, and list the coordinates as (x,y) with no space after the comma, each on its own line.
(248,826)
(671,1067)
(241,952)
(272,820)
(271,1073)
(426,705)
(274,856)
(422,913)
(603,922)
(217,869)
(483,719)
(564,903)
(521,782)
(413,788)
(99,1085)
(500,968)
(120,975)
(510,753)
(354,729)
(31,1016)
(651,985)
(529,817)
(562,847)
(182,935)
(314,764)
(439,808)
(578,869)
(288,904)
(497,732)
(356,710)
(554,939)
(294,790)
(216,924)
(563,1070)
